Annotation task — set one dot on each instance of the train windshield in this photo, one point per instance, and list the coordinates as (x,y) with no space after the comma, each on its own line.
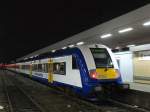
(102,58)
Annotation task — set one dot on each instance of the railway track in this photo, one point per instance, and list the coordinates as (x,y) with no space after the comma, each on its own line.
(84,106)
(110,105)
(4,102)
(128,106)
(18,99)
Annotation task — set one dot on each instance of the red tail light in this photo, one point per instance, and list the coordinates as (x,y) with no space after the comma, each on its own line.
(93,74)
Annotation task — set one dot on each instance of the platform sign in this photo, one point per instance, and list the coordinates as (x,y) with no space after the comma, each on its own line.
(50,70)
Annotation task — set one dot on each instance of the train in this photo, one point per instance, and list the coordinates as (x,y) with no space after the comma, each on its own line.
(83,69)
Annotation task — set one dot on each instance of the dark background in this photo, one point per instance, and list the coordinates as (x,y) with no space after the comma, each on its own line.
(26,26)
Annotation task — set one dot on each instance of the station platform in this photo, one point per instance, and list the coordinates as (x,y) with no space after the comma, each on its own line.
(140,86)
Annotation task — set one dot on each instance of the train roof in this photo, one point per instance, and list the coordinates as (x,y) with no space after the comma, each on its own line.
(62,51)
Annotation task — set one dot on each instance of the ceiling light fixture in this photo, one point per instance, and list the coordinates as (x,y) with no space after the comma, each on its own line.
(53,51)
(106,35)
(80,43)
(125,30)
(146,23)
(71,45)
(64,47)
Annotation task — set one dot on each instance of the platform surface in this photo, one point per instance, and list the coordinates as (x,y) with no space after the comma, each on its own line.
(145,87)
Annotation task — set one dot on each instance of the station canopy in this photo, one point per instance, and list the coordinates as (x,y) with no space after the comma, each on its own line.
(132,28)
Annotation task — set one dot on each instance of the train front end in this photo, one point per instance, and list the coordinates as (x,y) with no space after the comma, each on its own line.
(102,67)
(106,68)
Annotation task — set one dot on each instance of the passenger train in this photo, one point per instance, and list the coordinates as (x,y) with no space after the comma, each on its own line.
(84,69)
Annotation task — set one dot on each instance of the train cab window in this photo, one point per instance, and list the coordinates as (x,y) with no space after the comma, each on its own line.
(59,68)
(102,58)
(74,63)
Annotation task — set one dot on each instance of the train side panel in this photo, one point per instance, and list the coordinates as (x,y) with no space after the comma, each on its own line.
(39,73)
(70,76)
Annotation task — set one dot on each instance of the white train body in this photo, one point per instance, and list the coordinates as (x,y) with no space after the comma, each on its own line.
(82,68)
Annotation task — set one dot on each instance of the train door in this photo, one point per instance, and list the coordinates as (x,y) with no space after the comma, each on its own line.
(50,71)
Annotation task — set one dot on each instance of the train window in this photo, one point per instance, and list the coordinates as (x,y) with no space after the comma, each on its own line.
(34,67)
(25,67)
(45,67)
(59,68)
(20,66)
(101,57)
(39,67)
(74,63)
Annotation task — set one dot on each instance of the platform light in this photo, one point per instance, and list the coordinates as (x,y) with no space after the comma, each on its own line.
(146,23)
(125,30)
(64,47)
(71,45)
(53,51)
(106,35)
(80,43)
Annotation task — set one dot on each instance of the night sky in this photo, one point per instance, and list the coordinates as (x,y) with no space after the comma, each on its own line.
(26,26)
